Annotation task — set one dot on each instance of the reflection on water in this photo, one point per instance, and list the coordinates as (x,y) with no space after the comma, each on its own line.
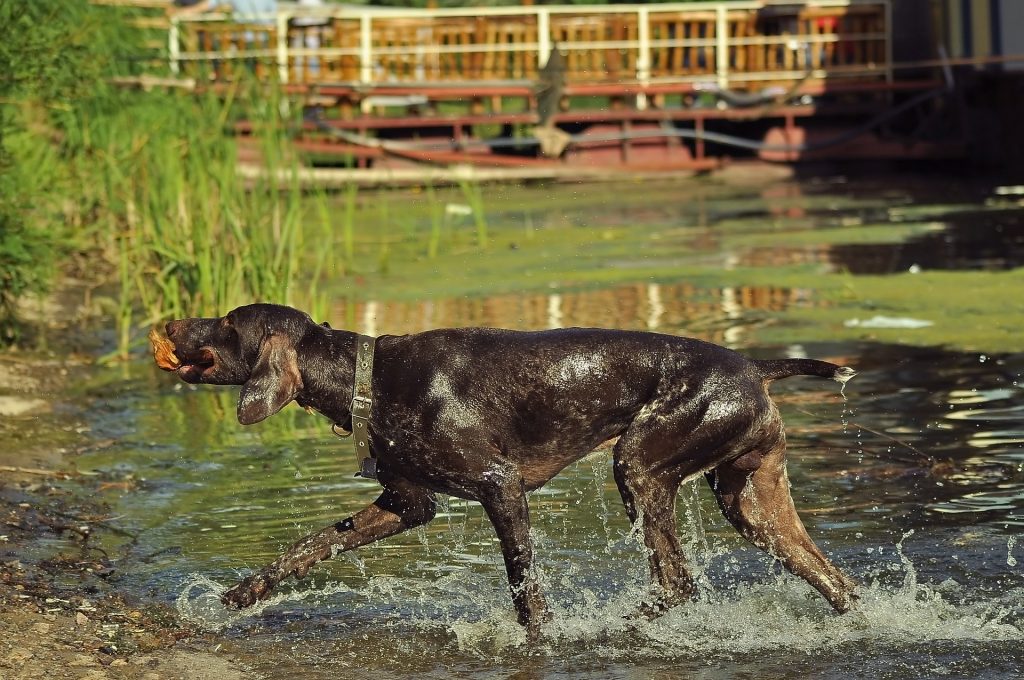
(964,412)
(914,482)
(718,315)
(970,239)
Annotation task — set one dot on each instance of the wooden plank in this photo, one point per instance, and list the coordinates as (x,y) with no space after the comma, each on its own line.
(141,4)
(151,23)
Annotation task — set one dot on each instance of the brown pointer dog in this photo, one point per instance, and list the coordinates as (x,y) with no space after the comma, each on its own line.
(488,415)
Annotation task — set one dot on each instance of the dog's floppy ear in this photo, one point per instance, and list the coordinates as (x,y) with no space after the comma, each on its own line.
(274,381)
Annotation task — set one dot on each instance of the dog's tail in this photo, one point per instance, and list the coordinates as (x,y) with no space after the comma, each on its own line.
(773,369)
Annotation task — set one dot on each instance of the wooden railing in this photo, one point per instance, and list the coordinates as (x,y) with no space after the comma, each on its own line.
(735,45)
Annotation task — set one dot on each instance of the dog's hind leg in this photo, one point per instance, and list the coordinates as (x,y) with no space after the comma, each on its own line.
(401,506)
(753,492)
(676,438)
(649,494)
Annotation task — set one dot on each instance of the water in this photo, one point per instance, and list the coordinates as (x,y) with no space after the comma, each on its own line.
(913,480)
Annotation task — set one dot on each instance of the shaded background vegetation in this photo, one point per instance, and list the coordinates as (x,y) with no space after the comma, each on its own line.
(45,66)
(54,59)
(144,184)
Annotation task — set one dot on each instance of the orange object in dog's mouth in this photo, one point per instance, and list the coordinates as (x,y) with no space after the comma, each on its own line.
(163,351)
(168,358)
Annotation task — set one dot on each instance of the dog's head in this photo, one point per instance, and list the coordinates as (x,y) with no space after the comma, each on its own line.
(252,346)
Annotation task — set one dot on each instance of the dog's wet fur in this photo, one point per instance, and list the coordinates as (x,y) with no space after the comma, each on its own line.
(489,415)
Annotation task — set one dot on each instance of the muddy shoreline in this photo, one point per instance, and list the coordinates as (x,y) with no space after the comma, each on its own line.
(61,612)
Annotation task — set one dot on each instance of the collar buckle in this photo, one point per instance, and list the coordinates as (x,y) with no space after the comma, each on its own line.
(361,407)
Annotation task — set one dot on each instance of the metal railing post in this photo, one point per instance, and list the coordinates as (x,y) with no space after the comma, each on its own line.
(173,46)
(543,37)
(365,48)
(365,55)
(643,57)
(722,46)
(282,46)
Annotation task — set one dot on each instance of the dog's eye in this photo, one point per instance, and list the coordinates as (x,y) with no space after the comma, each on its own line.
(227,329)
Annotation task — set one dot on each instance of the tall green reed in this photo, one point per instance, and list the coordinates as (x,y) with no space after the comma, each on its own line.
(194,238)
(474,196)
(436,221)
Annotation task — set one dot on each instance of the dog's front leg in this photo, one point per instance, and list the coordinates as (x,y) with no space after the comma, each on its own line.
(402,506)
(506,506)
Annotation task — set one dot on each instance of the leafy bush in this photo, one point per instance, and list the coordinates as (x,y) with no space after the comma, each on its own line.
(45,62)
(26,258)
(54,56)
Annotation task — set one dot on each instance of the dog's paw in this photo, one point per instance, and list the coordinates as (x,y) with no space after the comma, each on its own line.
(659,601)
(248,592)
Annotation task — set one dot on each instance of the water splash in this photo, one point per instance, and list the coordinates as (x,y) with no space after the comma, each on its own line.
(909,572)
(728,621)
(599,473)
(1010,559)
(746,619)
(199,602)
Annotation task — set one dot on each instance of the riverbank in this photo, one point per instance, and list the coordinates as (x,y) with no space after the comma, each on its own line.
(61,612)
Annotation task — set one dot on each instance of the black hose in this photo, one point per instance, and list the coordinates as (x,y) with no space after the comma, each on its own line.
(685,133)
